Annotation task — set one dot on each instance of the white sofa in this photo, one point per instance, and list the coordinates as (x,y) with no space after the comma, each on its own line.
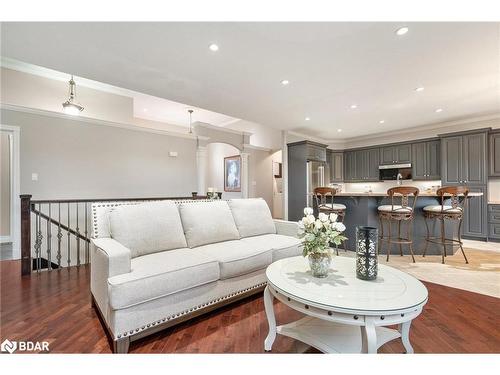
(158,263)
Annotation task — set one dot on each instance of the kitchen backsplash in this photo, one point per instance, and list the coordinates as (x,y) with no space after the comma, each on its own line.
(382,186)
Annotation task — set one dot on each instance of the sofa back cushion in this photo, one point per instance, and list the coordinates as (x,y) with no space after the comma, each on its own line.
(252,217)
(207,222)
(148,227)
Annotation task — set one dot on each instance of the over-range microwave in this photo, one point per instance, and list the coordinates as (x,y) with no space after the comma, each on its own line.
(390,172)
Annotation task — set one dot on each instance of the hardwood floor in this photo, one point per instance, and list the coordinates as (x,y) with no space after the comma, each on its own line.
(55,307)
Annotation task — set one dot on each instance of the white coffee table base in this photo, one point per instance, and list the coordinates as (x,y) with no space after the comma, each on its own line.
(337,332)
(331,337)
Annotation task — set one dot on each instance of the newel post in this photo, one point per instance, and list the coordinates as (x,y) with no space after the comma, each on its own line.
(25,234)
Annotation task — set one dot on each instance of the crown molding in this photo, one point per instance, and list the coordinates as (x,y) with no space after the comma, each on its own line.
(258,148)
(421,128)
(60,115)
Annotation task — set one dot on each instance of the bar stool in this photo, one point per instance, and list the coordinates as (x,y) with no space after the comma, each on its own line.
(399,213)
(454,211)
(321,196)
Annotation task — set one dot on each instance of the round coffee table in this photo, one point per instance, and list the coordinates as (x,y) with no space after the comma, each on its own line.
(343,313)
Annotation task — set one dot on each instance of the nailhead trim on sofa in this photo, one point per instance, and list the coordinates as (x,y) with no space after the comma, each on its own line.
(178,315)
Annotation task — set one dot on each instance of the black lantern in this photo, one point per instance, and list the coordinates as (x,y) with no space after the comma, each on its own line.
(366,253)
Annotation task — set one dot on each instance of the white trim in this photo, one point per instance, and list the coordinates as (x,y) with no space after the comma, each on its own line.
(259,148)
(15,223)
(218,128)
(421,128)
(42,112)
(5,239)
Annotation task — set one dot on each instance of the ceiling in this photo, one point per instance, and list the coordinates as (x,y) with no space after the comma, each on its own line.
(330,66)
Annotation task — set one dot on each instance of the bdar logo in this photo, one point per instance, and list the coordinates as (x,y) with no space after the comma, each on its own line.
(8,346)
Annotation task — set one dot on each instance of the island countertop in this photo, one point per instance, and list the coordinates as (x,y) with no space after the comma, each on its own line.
(384,194)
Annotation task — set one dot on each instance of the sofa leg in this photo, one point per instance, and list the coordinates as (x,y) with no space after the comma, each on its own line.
(120,346)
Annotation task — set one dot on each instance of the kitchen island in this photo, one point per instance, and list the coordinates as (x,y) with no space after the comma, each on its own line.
(362,210)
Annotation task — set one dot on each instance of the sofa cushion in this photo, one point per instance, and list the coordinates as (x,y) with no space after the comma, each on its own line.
(161,274)
(148,227)
(280,246)
(207,222)
(252,216)
(237,257)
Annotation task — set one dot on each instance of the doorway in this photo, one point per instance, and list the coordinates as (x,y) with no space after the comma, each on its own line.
(9,193)
(277,160)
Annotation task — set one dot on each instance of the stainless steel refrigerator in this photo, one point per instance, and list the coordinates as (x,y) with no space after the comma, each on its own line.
(316,176)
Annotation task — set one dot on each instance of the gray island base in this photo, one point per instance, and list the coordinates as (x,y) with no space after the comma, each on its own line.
(362,210)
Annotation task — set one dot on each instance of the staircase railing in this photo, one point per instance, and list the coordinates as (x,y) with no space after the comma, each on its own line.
(55,234)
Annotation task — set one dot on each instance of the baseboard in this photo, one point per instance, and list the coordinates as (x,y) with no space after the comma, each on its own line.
(5,239)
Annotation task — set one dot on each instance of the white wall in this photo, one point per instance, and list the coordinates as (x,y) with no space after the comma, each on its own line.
(75,159)
(262,136)
(216,152)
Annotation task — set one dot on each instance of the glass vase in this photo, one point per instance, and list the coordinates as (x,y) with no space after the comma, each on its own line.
(320,264)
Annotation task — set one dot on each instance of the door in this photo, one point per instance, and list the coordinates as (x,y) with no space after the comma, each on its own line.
(451,160)
(475,217)
(387,155)
(403,153)
(495,155)
(419,161)
(350,166)
(372,162)
(473,159)
(433,156)
(337,167)
(360,166)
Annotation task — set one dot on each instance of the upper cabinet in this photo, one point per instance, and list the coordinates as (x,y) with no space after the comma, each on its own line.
(495,154)
(463,159)
(361,165)
(397,154)
(336,166)
(426,160)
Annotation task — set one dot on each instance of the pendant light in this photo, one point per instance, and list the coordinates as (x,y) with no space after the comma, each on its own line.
(70,106)
(190,111)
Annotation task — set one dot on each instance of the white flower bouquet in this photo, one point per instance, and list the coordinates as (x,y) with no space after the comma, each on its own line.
(319,233)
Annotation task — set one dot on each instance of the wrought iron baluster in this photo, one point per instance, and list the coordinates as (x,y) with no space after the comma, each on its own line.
(68,233)
(49,241)
(86,235)
(59,236)
(39,238)
(77,238)
(37,242)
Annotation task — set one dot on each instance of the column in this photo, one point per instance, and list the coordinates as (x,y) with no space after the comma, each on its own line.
(244,174)
(201,169)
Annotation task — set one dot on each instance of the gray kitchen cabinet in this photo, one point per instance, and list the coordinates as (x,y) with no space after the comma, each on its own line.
(336,166)
(494,154)
(426,160)
(494,221)
(361,165)
(464,160)
(350,166)
(396,154)
(475,218)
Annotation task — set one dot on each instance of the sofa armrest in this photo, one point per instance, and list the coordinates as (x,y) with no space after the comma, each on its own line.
(108,258)
(286,228)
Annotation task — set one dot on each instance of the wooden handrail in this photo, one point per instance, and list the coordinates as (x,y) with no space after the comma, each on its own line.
(46,201)
(55,222)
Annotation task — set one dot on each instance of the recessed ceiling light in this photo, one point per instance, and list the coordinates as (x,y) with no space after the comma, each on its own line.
(213,47)
(145,109)
(354,106)
(419,89)
(307,119)
(439,110)
(381,121)
(339,130)
(402,31)
(285,82)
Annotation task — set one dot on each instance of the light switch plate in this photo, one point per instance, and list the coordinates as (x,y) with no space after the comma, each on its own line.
(34,177)
(173,154)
